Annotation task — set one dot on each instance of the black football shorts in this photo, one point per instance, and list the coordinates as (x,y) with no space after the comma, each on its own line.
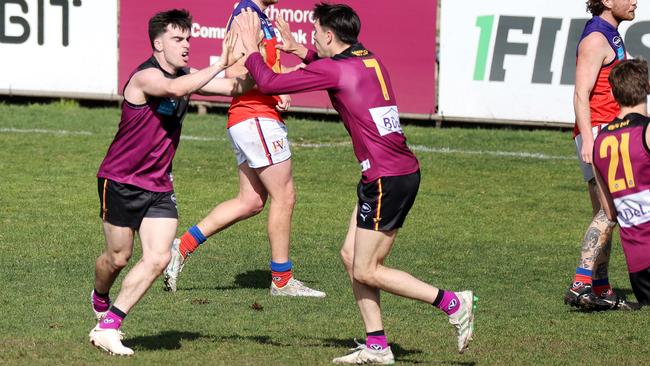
(641,286)
(126,205)
(385,202)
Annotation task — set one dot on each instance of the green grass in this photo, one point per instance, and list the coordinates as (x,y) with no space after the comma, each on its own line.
(508,227)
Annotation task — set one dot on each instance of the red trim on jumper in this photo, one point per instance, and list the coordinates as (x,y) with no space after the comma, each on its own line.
(266,148)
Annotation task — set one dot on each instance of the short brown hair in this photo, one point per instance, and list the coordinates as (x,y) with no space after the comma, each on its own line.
(595,7)
(178,18)
(340,19)
(629,81)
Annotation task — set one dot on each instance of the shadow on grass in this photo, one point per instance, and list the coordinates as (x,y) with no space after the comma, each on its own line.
(257,339)
(255,279)
(171,340)
(259,279)
(625,292)
(168,340)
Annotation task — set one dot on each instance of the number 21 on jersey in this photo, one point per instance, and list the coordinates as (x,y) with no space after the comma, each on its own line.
(618,151)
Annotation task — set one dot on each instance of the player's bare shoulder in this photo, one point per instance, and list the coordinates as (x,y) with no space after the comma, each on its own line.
(595,45)
(135,89)
(151,81)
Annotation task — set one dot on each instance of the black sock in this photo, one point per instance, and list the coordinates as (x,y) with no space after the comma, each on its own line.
(99,294)
(117,312)
(436,302)
(376,333)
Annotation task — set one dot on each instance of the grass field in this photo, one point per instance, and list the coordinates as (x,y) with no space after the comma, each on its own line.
(499,211)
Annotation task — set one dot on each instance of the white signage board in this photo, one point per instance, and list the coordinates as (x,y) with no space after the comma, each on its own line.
(62,47)
(515,60)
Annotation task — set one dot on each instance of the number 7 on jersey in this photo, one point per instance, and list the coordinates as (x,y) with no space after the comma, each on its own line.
(372,63)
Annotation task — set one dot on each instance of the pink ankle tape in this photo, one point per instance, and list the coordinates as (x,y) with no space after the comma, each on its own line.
(450,302)
(110,321)
(377,343)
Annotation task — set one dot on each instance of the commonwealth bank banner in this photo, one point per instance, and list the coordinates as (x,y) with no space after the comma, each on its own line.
(59,48)
(402,34)
(515,60)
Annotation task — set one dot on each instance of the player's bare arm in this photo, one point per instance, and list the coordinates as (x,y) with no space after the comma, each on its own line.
(231,86)
(593,52)
(152,82)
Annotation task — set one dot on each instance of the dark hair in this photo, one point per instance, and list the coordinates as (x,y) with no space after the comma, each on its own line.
(595,7)
(340,19)
(178,18)
(629,81)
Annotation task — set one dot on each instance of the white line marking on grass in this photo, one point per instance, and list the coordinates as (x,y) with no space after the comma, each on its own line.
(320,145)
(50,132)
(200,138)
(516,154)
(437,150)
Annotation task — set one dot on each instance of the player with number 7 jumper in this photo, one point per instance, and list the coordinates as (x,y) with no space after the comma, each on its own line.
(360,90)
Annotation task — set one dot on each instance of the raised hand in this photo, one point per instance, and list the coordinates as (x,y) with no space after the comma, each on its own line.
(227,57)
(289,44)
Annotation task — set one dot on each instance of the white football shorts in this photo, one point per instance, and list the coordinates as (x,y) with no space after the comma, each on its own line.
(260,142)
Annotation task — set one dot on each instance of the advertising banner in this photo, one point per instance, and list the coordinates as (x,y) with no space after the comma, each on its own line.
(58,48)
(515,60)
(402,34)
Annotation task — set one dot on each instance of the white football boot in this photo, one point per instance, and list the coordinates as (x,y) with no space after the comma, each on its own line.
(362,354)
(463,319)
(174,268)
(109,340)
(295,288)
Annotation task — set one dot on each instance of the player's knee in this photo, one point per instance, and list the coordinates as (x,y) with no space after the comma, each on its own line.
(158,262)
(364,276)
(119,260)
(253,205)
(347,258)
(286,198)
(290,199)
(256,208)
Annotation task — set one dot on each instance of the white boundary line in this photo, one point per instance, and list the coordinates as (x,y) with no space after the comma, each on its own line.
(49,132)
(423,148)
(515,154)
